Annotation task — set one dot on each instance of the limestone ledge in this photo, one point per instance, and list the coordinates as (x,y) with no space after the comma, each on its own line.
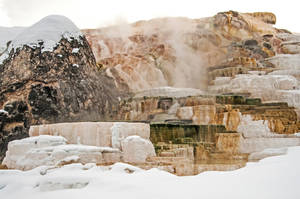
(214,109)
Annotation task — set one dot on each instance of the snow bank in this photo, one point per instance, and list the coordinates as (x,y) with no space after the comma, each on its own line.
(271,178)
(102,143)
(20,147)
(47,150)
(136,149)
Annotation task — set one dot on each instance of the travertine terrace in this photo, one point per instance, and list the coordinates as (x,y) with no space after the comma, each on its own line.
(193,94)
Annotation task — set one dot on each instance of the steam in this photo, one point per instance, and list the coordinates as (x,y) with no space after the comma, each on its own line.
(181,66)
(189,69)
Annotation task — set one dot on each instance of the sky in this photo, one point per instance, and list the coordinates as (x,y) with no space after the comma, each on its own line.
(99,13)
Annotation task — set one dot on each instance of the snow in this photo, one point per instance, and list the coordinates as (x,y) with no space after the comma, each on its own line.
(41,139)
(3,57)
(121,130)
(48,150)
(7,34)
(271,178)
(69,159)
(50,30)
(75,50)
(45,33)
(136,149)
(3,111)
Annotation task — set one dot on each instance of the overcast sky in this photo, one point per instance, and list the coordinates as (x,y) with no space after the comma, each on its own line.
(97,13)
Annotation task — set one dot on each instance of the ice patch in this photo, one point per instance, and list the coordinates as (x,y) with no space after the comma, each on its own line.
(75,50)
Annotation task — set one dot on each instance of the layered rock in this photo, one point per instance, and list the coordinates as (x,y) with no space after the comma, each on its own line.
(48,74)
(210,110)
(104,134)
(100,143)
(215,91)
(257,136)
(46,150)
(155,53)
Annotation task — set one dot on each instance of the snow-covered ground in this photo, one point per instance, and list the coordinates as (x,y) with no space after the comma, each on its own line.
(273,177)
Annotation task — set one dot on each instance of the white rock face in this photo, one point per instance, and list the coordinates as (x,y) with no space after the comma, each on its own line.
(250,128)
(256,136)
(256,83)
(185,113)
(286,61)
(103,134)
(289,37)
(292,97)
(251,145)
(267,153)
(291,47)
(137,149)
(295,73)
(222,80)
(280,85)
(46,150)
(169,92)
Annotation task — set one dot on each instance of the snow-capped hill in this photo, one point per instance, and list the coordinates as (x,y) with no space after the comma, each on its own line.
(46,34)
(60,76)
(48,30)
(8,34)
